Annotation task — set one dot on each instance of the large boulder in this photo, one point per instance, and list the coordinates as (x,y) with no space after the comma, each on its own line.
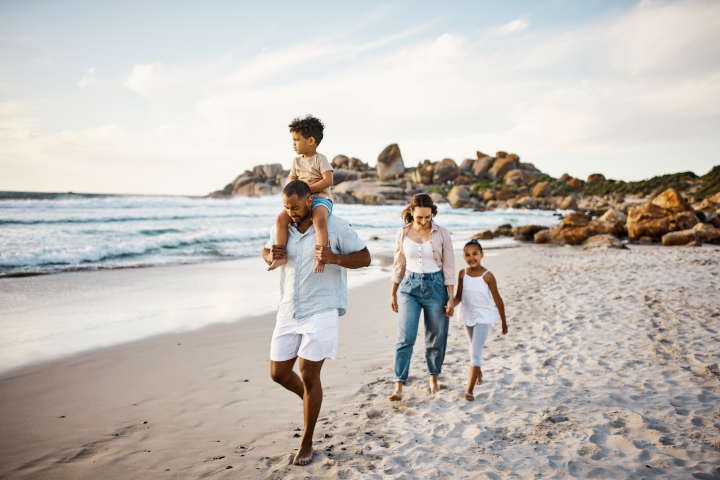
(272,170)
(715,198)
(527,202)
(482,166)
(462,180)
(500,167)
(672,201)
(683,220)
(573,229)
(505,194)
(423,174)
(527,232)
(504,230)
(648,220)
(467,165)
(437,198)
(545,236)
(458,197)
(599,227)
(445,172)
(513,157)
(574,183)
(343,198)
(490,195)
(564,178)
(370,191)
(514,177)
(542,190)
(340,161)
(682,237)
(596,177)
(706,210)
(484,235)
(568,203)
(613,215)
(501,154)
(390,163)
(602,241)
(707,233)
(343,175)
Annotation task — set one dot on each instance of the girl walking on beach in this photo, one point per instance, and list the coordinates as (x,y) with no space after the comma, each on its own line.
(480,304)
(424,274)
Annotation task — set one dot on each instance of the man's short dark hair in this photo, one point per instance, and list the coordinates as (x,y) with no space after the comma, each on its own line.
(297,187)
(308,127)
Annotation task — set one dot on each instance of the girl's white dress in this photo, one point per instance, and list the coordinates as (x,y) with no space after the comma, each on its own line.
(477,305)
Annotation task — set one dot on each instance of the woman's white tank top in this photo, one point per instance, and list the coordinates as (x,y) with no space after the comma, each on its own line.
(419,257)
(477,304)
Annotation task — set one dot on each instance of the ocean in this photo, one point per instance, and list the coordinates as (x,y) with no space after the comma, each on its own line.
(53,233)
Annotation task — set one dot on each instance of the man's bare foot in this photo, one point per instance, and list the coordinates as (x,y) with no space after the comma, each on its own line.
(469,396)
(319,267)
(304,455)
(277,263)
(434,387)
(479,380)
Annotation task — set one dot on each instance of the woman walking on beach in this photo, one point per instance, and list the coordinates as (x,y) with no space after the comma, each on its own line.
(480,304)
(424,275)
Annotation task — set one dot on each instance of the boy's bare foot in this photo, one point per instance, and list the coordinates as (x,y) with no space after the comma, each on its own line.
(469,396)
(277,263)
(434,387)
(319,267)
(304,455)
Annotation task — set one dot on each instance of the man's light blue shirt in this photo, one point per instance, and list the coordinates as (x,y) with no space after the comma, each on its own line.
(304,293)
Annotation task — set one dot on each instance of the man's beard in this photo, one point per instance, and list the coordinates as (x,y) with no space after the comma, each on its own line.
(302,218)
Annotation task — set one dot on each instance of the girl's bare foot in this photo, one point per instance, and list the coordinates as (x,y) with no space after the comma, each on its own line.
(319,267)
(304,455)
(434,387)
(276,263)
(469,396)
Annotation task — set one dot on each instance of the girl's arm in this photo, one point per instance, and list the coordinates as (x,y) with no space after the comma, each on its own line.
(458,296)
(326,182)
(492,283)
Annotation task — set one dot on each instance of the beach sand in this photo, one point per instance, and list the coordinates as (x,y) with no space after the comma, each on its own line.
(610,370)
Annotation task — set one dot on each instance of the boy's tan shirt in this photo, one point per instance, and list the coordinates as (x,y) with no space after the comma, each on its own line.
(312,168)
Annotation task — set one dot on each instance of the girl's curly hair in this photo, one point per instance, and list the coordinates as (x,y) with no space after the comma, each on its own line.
(308,127)
(474,242)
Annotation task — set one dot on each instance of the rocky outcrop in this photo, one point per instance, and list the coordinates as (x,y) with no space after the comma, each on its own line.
(574,183)
(568,203)
(505,194)
(445,172)
(458,197)
(672,201)
(542,190)
(354,164)
(595,178)
(370,191)
(437,198)
(543,236)
(482,166)
(261,180)
(500,167)
(503,231)
(390,163)
(706,210)
(602,241)
(514,177)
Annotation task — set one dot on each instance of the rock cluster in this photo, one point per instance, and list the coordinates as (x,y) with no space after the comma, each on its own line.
(261,180)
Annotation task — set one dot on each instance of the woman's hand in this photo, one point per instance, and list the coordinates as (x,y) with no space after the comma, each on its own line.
(393,303)
(450,307)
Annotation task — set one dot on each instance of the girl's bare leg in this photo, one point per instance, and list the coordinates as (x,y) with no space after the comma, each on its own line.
(475,378)
(281,237)
(320,217)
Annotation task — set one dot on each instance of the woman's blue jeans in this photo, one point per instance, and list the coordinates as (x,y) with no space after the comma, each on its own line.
(424,292)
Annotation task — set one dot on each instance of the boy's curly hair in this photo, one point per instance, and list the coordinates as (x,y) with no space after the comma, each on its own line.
(308,127)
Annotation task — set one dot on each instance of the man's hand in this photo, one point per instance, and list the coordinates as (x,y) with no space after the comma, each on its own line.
(277,252)
(504,328)
(325,255)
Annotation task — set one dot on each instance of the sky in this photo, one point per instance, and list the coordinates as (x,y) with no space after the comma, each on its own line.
(180,97)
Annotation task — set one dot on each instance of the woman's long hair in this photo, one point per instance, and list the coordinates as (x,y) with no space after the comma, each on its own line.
(419,200)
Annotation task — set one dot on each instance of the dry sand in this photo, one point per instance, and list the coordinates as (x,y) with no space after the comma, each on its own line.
(610,370)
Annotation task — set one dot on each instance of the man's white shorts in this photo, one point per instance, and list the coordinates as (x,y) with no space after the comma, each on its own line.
(312,338)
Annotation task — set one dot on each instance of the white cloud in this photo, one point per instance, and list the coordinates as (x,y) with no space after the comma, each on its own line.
(517,25)
(88,79)
(147,79)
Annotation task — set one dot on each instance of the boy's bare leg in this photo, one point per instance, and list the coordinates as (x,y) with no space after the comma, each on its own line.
(320,217)
(312,401)
(281,237)
(475,378)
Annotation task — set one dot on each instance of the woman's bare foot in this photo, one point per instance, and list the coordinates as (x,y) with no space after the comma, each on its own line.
(319,267)
(434,387)
(277,263)
(304,455)
(469,396)
(397,395)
